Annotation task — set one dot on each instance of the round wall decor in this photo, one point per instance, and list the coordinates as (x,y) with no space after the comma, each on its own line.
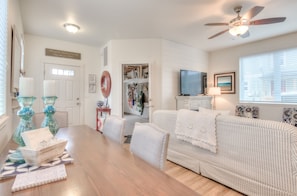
(105,84)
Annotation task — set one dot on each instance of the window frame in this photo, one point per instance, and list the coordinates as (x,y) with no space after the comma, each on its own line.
(3,58)
(283,60)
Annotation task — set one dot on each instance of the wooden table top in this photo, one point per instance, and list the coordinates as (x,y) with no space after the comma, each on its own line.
(101,167)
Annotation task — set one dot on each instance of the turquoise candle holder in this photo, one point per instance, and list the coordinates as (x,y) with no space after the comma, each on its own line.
(25,113)
(49,111)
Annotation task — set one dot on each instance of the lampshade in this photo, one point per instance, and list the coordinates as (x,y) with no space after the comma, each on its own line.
(214,91)
(72,28)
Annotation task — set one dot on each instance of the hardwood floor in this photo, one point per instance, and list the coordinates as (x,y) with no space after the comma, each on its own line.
(196,182)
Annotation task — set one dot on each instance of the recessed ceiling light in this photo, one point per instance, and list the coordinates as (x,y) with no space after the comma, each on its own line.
(72,28)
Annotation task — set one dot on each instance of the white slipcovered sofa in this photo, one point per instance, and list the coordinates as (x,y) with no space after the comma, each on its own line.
(254,157)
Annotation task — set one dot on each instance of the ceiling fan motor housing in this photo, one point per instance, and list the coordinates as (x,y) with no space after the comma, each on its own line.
(238,26)
(238,21)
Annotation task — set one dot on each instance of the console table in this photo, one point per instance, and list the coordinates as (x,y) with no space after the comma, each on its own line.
(101,167)
(193,102)
(103,111)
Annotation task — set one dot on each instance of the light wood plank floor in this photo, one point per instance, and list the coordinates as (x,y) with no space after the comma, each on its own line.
(198,183)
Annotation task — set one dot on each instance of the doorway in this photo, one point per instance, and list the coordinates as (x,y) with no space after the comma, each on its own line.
(67,79)
(135,95)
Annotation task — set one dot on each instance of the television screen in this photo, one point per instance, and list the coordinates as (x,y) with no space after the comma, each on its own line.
(192,83)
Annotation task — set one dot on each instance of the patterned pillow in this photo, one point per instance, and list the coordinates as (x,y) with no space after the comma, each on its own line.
(290,116)
(247,111)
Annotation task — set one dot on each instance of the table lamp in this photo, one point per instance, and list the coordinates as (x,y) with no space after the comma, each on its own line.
(214,91)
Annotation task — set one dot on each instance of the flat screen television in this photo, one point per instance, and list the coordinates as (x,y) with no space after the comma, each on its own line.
(192,83)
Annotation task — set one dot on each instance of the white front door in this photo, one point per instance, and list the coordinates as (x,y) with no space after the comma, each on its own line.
(67,79)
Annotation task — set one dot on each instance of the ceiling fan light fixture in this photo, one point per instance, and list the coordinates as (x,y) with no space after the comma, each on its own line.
(71,28)
(238,27)
(238,30)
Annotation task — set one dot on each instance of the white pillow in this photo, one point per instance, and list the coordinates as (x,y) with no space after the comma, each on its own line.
(221,112)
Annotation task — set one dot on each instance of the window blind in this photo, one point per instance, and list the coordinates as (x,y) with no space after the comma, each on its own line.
(3,55)
(269,77)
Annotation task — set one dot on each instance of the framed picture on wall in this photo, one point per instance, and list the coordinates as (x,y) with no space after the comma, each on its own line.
(226,81)
(92,83)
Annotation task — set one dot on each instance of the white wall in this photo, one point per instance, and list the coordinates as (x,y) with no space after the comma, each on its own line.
(165,58)
(174,57)
(89,63)
(227,60)
(133,51)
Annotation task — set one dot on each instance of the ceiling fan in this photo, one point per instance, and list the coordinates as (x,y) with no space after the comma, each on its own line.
(239,26)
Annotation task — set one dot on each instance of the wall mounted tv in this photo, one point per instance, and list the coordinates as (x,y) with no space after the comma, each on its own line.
(192,83)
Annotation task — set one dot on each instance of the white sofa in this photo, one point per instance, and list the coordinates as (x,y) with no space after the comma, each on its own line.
(254,157)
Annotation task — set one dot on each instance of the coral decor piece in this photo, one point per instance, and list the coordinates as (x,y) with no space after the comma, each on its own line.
(105,84)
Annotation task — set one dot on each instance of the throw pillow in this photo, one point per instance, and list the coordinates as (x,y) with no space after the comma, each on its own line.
(247,111)
(290,116)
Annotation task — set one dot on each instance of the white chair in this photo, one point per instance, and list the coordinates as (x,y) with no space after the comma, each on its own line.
(60,116)
(113,128)
(37,119)
(150,143)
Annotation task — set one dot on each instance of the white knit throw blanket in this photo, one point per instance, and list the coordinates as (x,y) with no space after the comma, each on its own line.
(198,128)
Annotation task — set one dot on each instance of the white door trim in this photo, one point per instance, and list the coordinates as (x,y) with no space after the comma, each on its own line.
(81,86)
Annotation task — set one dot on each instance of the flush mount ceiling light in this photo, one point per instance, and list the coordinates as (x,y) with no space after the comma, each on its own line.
(71,28)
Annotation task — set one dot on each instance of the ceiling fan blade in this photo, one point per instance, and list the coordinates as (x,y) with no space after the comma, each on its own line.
(217,24)
(220,33)
(247,34)
(253,12)
(267,21)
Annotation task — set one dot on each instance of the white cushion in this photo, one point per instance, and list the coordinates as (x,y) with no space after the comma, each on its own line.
(150,143)
(197,128)
(113,128)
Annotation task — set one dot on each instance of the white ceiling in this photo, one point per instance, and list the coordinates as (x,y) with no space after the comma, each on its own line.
(181,21)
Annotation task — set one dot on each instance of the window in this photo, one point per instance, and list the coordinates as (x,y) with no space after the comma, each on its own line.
(62,72)
(269,77)
(3,55)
